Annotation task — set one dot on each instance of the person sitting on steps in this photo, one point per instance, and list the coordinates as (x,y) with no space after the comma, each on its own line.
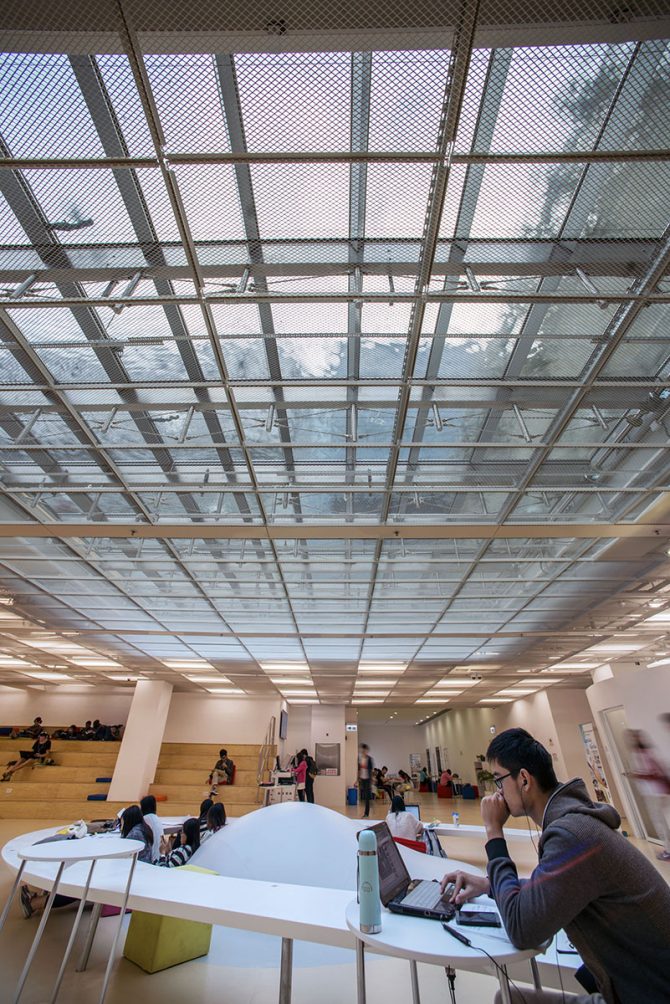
(222,772)
(38,754)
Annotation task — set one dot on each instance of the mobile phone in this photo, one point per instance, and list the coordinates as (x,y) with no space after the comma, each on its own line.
(478,918)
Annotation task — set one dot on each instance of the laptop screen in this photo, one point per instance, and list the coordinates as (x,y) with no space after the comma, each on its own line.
(414,808)
(393,876)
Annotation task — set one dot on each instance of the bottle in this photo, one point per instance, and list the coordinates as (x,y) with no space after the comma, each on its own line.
(368,884)
(456,819)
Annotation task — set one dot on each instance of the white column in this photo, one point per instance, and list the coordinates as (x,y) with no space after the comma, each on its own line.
(141,744)
(328,727)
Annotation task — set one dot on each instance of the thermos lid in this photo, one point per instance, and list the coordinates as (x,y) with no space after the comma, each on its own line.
(367,842)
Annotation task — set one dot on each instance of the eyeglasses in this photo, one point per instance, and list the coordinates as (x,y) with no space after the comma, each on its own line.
(499,780)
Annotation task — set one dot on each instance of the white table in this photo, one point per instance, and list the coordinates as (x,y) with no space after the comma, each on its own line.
(64,854)
(420,940)
(289,911)
(472,830)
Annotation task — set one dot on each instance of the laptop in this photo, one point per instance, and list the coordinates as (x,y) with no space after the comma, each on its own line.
(414,808)
(402,894)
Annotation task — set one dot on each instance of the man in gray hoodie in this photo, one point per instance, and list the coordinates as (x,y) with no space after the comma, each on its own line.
(590,881)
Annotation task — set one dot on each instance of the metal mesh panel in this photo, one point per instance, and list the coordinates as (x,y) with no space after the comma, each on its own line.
(222,303)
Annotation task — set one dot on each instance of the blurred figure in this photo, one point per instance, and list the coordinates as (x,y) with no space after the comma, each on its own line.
(654,786)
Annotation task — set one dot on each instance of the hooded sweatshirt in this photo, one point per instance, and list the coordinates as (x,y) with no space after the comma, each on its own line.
(611,901)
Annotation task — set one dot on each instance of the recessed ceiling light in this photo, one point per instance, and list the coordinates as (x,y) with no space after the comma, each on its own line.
(223,690)
(376,683)
(432,700)
(48,676)
(495,700)
(187,664)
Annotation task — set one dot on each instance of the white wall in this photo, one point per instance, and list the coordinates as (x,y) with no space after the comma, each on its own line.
(534,714)
(465,733)
(391,745)
(328,727)
(299,730)
(59,707)
(208,718)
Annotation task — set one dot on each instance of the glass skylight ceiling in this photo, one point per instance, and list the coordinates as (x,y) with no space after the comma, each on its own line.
(336,290)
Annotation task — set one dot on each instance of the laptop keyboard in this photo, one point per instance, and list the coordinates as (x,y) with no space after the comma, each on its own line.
(427,895)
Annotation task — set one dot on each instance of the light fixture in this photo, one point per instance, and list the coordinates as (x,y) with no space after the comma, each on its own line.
(375,683)
(95,663)
(187,664)
(210,678)
(659,662)
(224,690)
(48,676)
(495,700)
(432,700)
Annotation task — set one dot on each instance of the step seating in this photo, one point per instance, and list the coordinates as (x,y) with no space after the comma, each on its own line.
(60,792)
(183,769)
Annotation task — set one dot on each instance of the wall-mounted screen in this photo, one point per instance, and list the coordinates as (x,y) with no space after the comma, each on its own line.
(283,724)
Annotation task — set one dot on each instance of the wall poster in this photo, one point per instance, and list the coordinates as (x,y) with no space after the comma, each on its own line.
(601,791)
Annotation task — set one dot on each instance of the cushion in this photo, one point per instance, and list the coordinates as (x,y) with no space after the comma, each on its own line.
(155,943)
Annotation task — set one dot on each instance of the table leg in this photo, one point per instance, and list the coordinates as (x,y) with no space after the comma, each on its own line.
(93,927)
(112,951)
(360,971)
(286,971)
(503,980)
(414,976)
(73,935)
(537,982)
(38,936)
(12,894)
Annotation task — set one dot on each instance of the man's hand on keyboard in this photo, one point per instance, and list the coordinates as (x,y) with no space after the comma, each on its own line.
(466,886)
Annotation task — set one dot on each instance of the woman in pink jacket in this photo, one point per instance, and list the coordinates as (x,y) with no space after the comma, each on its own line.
(301,776)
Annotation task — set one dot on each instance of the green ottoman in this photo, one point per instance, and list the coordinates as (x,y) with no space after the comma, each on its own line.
(154,942)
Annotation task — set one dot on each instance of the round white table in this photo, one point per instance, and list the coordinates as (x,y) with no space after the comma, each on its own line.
(65,853)
(418,939)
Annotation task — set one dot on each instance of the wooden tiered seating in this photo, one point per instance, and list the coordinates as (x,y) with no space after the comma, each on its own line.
(182,776)
(60,792)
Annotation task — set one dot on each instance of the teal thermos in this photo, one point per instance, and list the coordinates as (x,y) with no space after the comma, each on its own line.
(368,883)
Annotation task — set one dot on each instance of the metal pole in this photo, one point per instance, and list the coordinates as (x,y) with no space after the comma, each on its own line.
(112,951)
(93,927)
(286,971)
(38,937)
(537,982)
(360,971)
(414,976)
(503,980)
(73,935)
(11,895)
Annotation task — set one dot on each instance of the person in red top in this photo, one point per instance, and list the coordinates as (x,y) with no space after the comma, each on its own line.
(301,775)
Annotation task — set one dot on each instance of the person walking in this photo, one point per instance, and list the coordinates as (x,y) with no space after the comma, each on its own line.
(366,766)
(654,786)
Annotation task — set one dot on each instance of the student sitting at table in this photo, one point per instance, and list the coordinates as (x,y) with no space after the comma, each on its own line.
(216,820)
(133,827)
(590,881)
(148,809)
(189,844)
(402,823)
